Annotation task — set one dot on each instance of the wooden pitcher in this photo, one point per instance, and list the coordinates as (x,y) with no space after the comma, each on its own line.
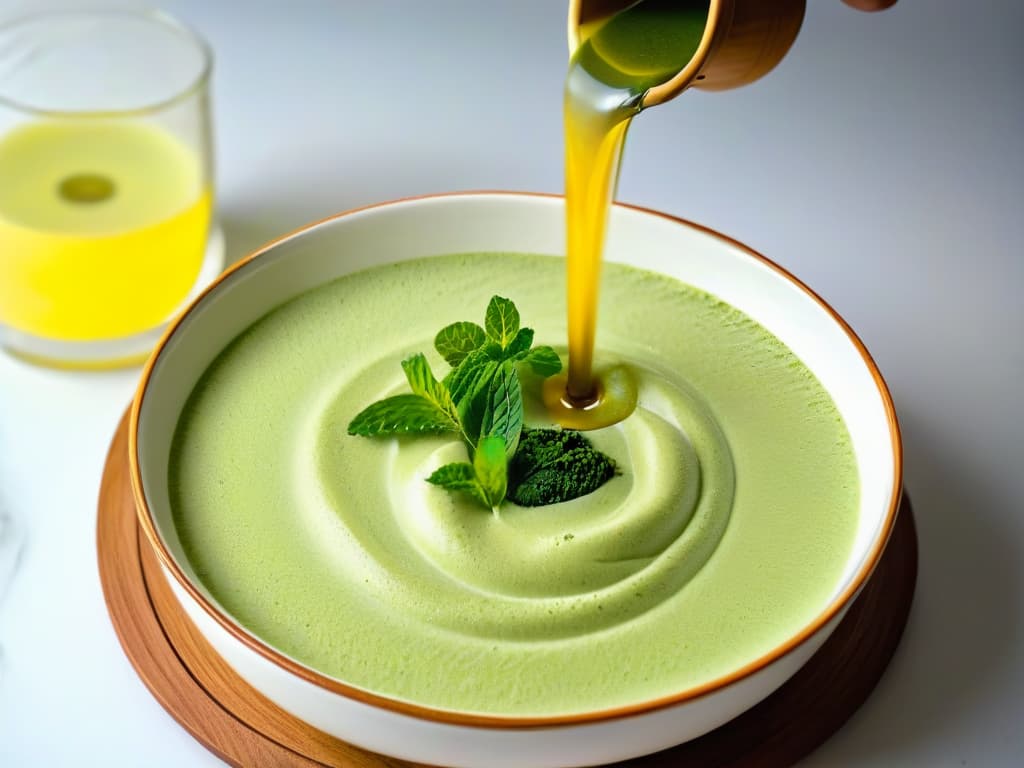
(743,41)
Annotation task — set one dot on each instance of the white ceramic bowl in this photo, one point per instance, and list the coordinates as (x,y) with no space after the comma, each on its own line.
(517,223)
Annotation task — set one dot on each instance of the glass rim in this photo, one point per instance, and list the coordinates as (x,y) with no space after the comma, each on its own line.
(153,15)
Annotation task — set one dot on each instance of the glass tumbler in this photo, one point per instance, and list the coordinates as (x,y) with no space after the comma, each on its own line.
(106,182)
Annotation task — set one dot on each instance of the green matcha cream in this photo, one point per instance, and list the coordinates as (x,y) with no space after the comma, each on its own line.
(726,530)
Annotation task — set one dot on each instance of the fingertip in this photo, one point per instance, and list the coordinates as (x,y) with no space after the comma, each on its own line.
(870,5)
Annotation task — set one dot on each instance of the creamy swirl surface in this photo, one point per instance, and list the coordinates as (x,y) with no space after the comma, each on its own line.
(725,530)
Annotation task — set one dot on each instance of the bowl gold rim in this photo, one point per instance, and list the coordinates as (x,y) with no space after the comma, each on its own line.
(452,717)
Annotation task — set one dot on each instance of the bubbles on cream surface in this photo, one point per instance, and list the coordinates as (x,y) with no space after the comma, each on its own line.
(727,528)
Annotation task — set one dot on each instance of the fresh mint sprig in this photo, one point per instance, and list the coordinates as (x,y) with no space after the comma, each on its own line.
(481,400)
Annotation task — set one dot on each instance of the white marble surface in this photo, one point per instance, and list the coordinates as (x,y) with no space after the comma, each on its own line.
(882,163)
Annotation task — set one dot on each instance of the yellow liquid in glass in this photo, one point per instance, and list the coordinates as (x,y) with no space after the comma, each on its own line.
(103,228)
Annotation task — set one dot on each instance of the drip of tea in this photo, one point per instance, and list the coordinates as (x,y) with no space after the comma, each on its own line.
(618,60)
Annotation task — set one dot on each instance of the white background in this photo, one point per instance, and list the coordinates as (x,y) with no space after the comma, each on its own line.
(882,163)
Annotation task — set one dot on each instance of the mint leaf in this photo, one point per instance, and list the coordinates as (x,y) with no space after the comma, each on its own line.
(462,380)
(554,465)
(501,321)
(474,405)
(402,415)
(544,361)
(485,479)
(457,340)
(491,466)
(521,344)
(493,351)
(460,476)
(422,382)
(504,416)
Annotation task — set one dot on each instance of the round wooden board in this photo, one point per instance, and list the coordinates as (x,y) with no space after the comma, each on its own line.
(242,727)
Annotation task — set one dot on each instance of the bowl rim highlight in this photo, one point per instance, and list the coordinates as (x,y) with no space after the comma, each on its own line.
(453,717)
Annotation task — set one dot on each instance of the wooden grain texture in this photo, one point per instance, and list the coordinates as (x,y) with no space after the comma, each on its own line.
(142,635)
(243,728)
(756,39)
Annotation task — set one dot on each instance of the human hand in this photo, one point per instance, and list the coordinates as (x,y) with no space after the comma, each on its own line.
(870,5)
